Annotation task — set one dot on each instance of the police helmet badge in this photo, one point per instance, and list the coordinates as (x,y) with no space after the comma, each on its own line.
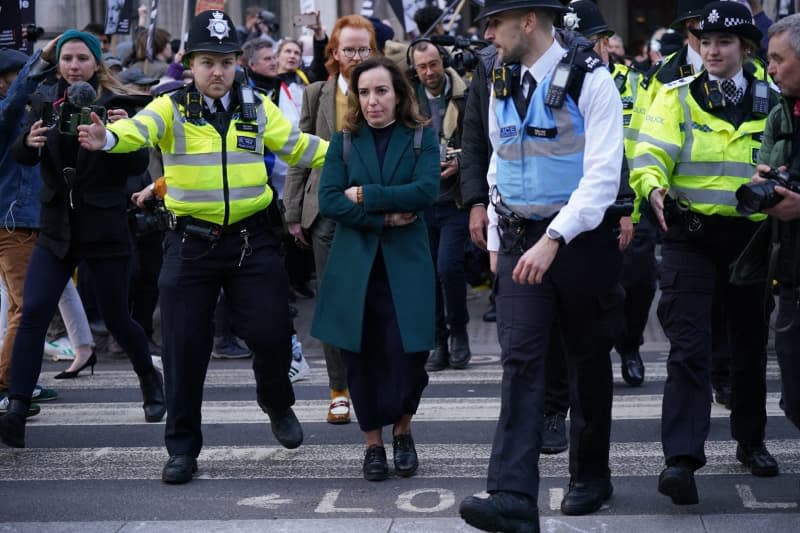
(572,21)
(218,26)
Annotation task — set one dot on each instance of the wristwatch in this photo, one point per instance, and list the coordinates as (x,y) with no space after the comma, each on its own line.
(554,235)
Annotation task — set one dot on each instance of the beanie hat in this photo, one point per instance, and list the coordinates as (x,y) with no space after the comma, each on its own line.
(88,39)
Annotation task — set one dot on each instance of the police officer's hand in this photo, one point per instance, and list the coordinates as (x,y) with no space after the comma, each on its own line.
(296,231)
(478,222)
(140,197)
(534,263)
(92,136)
(626,230)
(657,203)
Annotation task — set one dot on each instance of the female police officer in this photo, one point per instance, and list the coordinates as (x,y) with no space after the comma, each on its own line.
(213,135)
(698,144)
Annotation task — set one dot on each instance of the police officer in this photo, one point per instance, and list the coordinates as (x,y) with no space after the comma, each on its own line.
(551,227)
(213,135)
(639,267)
(441,96)
(696,147)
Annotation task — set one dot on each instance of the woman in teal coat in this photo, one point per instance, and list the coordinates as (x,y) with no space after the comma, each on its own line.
(376,299)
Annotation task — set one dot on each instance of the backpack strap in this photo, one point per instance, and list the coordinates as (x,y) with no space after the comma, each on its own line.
(417,141)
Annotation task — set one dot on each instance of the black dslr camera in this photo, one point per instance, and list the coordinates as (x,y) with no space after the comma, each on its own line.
(153,217)
(268,19)
(755,197)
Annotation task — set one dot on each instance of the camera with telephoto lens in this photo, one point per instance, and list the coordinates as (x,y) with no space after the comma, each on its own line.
(755,197)
(71,116)
(462,57)
(153,217)
(33,33)
(268,18)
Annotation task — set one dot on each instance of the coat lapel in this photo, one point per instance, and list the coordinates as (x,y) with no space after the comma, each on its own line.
(398,144)
(327,106)
(363,145)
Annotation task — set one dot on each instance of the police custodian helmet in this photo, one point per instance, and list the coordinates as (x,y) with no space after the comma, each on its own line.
(212,31)
(687,9)
(586,18)
(492,7)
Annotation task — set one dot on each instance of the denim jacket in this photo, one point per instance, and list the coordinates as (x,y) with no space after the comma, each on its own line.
(19,184)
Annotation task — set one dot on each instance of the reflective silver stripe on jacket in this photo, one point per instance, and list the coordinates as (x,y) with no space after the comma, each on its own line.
(262,124)
(311,150)
(724,168)
(703,196)
(214,195)
(649,160)
(212,159)
(673,150)
(178,131)
(160,126)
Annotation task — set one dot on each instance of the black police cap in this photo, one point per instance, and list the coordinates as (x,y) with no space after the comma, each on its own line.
(492,7)
(728,17)
(586,18)
(212,31)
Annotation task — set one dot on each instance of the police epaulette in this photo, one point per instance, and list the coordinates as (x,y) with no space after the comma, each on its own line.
(587,60)
(680,82)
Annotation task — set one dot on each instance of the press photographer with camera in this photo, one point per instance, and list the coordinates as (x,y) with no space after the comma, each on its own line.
(696,147)
(83,219)
(779,152)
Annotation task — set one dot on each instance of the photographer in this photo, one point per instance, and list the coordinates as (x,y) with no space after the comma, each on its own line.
(82,219)
(780,148)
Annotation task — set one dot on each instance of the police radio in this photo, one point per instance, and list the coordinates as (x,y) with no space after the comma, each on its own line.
(559,82)
(248,103)
(194,105)
(619,81)
(760,98)
(715,98)
(501,82)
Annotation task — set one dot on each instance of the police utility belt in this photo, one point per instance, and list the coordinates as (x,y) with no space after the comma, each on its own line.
(202,229)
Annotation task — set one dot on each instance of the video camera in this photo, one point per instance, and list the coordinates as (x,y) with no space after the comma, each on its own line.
(76,109)
(462,54)
(153,217)
(269,19)
(33,33)
(755,197)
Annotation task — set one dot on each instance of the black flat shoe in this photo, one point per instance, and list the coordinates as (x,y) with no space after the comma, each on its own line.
(554,434)
(375,467)
(12,424)
(71,374)
(585,497)
(677,482)
(154,404)
(460,353)
(439,358)
(405,455)
(758,459)
(501,511)
(179,470)
(633,369)
(285,426)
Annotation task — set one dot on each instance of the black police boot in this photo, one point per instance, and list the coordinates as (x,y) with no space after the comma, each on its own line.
(554,434)
(439,358)
(12,424)
(375,467)
(491,312)
(155,406)
(179,470)
(632,369)
(677,482)
(501,511)
(758,459)
(584,497)
(405,455)
(460,353)
(285,426)
(722,394)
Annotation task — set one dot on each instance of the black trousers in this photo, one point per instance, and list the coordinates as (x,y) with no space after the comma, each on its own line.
(385,382)
(44,282)
(525,317)
(694,273)
(192,275)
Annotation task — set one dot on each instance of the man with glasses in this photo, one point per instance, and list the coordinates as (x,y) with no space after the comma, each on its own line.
(352,40)
(441,95)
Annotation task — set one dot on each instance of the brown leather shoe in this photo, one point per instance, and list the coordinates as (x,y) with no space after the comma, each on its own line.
(339,408)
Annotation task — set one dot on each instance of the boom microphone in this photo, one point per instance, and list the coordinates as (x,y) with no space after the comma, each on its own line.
(81,94)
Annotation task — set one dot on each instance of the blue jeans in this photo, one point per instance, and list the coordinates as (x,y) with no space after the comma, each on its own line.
(448,229)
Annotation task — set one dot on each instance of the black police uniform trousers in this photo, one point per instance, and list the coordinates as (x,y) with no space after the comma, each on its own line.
(573,295)
(252,274)
(693,273)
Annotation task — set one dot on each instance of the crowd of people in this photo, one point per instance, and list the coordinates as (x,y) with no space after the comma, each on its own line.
(219,179)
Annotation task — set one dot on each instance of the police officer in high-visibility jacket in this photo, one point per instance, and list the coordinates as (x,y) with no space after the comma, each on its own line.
(213,135)
(698,144)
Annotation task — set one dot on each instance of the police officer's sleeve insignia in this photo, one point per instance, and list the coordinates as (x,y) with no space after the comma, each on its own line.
(218,26)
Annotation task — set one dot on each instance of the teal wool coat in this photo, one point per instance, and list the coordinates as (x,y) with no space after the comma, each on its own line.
(406,183)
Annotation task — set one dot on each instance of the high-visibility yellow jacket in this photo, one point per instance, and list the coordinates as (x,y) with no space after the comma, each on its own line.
(699,158)
(629,79)
(210,177)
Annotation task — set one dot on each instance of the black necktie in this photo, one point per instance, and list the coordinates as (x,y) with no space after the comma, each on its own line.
(528,80)
(521,100)
(732,93)
(218,107)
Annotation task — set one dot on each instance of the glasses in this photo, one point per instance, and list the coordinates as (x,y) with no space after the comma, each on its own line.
(350,53)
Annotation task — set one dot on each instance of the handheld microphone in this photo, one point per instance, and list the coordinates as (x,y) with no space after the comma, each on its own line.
(81,94)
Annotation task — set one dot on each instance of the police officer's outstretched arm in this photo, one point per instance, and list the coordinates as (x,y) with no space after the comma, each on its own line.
(287,141)
(92,136)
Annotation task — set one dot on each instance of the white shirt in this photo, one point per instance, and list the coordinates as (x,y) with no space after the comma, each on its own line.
(342,83)
(738,79)
(694,59)
(226,101)
(601,108)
